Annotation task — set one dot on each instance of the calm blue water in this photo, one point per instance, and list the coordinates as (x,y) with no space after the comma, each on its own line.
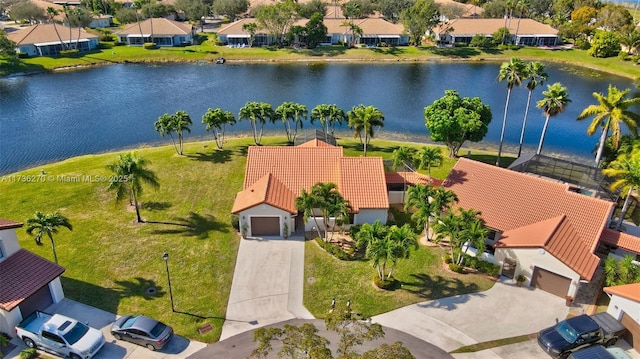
(49,117)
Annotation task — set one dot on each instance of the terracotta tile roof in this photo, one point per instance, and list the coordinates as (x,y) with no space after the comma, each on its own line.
(533,235)
(361,182)
(509,200)
(469,9)
(369,26)
(412,178)
(161,26)
(291,169)
(629,291)
(8,224)
(266,190)
(22,274)
(43,33)
(622,240)
(490,26)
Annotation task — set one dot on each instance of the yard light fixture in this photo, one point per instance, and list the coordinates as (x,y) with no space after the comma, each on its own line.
(165,256)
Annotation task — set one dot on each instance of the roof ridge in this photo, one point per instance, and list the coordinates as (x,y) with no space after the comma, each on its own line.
(562,217)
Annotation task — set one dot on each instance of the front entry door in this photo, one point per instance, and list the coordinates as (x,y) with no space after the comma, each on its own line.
(509,268)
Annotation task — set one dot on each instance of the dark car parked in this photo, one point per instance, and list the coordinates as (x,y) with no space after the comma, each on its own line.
(142,330)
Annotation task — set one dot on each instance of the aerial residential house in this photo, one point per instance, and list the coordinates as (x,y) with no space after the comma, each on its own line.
(101,21)
(527,32)
(543,229)
(28,282)
(276,175)
(625,306)
(42,40)
(161,31)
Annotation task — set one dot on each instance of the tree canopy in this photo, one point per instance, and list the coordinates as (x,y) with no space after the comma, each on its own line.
(454,120)
(420,18)
(277,18)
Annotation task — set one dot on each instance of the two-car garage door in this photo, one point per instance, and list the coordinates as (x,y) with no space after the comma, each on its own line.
(550,282)
(265,226)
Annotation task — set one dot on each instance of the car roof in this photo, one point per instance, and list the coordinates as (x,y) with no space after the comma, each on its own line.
(144,323)
(583,323)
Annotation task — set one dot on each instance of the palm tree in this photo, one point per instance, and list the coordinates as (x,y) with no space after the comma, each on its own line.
(48,224)
(131,173)
(216,120)
(631,40)
(626,170)
(164,125)
(610,111)
(511,72)
(331,205)
(403,239)
(429,156)
(329,116)
(419,200)
(403,156)
(80,18)
(536,75)
(442,200)
(554,102)
(181,123)
(522,6)
(51,12)
(365,119)
(137,5)
(257,113)
(292,116)
(448,227)
(476,234)
(307,203)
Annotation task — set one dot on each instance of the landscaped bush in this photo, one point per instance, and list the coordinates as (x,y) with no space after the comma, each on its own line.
(386,284)
(490,269)
(334,250)
(150,45)
(105,37)
(456,268)
(28,353)
(447,258)
(235,222)
(23,55)
(69,53)
(481,41)
(583,44)
(354,230)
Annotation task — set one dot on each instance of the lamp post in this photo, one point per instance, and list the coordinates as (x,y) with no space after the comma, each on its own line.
(165,256)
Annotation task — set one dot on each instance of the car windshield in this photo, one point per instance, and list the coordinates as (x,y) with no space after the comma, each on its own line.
(567,332)
(77,332)
(157,330)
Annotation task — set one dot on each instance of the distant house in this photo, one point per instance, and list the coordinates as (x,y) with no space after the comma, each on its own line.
(540,228)
(101,21)
(529,32)
(374,31)
(42,40)
(275,176)
(467,10)
(28,282)
(161,31)
(625,306)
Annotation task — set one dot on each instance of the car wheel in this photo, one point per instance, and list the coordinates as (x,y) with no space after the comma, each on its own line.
(29,342)
(117,336)
(150,347)
(74,356)
(610,342)
(564,355)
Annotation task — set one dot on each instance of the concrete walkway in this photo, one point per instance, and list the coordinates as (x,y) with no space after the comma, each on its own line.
(500,312)
(267,285)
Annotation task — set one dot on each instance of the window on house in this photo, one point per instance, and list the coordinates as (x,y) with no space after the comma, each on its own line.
(1,250)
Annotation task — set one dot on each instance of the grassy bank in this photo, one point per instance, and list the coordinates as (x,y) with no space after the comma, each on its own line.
(207,51)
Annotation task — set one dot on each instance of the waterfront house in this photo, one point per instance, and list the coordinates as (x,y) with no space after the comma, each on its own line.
(161,31)
(523,31)
(43,40)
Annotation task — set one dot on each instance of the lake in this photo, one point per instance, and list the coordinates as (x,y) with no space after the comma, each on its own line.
(50,117)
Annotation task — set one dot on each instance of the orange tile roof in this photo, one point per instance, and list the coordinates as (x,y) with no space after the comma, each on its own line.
(22,274)
(8,224)
(43,33)
(622,240)
(533,235)
(528,27)
(629,291)
(410,177)
(161,26)
(266,190)
(359,180)
(509,200)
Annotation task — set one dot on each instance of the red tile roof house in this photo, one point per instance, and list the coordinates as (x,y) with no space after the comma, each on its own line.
(275,176)
(28,282)
(544,231)
(165,33)
(625,306)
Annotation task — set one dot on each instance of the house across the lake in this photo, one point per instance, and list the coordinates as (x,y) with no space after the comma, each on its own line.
(525,32)
(43,40)
(161,31)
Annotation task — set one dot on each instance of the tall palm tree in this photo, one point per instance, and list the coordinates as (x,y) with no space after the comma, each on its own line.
(181,122)
(419,200)
(331,205)
(403,156)
(257,113)
(48,224)
(442,200)
(403,239)
(554,102)
(292,116)
(476,234)
(329,116)
(306,203)
(610,111)
(80,18)
(131,173)
(521,6)
(512,72)
(449,227)
(536,76)
(365,119)
(137,5)
(51,13)
(626,170)
(216,120)
(429,156)
(164,125)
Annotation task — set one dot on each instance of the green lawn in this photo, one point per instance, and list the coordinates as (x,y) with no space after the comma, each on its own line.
(111,261)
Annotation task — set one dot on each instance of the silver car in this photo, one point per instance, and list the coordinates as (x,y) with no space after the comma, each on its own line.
(142,330)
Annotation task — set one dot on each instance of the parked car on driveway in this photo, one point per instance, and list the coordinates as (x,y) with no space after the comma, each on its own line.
(142,330)
(600,352)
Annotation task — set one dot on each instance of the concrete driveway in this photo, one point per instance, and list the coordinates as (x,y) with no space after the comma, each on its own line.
(500,312)
(267,285)
(178,347)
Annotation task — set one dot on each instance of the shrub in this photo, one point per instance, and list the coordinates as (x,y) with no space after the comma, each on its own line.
(583,44)
(150,45)
(490,269)
(235,222)
(635,58)
(28,353)
(481,41)
(605,44)
(334,250)
(354,230)
(624,56)
(105,37)
(447,258)
(69,53)
(118,43)
(456,268)
(23,55)
(386,284)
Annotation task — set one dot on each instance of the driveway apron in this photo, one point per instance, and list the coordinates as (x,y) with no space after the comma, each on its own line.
(267,285)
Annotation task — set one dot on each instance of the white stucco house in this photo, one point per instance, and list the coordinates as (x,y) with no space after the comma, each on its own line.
(541,228)
(28,282)
(43,40)
(625,306)
(161,31)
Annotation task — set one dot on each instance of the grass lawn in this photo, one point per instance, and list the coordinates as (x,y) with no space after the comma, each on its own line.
(111,261)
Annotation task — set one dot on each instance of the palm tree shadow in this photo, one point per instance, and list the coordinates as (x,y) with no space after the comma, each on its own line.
(138,287)
(155,206)
(218,156)
(456,177)
(428,287)
(193,225)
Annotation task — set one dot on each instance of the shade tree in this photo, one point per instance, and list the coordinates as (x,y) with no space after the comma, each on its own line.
(419,19)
